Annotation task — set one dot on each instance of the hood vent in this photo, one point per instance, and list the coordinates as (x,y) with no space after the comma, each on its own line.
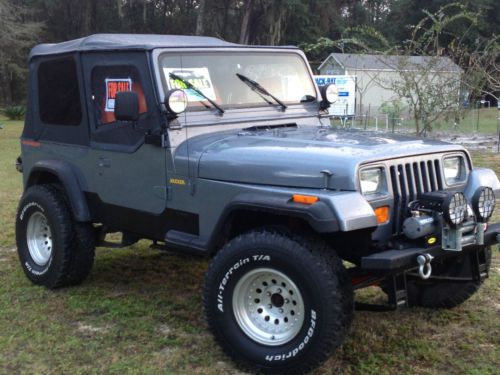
(269,127)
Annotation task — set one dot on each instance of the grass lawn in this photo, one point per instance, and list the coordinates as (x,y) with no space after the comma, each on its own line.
(484,121)
(140,312)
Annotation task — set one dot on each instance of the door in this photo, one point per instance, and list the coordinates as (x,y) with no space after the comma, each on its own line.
(129,176)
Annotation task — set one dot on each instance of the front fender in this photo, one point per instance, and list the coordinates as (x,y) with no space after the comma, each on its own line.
(335,211)
(481,177)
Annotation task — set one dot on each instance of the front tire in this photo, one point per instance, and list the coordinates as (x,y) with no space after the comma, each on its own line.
(53,249)
(275,304)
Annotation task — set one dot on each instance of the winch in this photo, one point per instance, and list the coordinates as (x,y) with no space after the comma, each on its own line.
(449,215)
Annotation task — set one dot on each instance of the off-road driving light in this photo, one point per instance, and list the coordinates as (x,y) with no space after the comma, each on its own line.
(455,209)
(330,93)
(176,101)
(483,203)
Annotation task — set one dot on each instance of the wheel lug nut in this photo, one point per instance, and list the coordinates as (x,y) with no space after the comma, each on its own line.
(287,300)
(279,290)
(281,311)
(270,306)
(269,294)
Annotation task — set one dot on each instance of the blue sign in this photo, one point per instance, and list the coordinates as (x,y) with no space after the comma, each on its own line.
(346,103)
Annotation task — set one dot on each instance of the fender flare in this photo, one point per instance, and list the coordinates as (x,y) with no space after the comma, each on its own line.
(325,216)
(66,174)
(319,215)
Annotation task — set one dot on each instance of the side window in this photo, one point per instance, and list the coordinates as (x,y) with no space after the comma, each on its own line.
(109,80)
(59,92)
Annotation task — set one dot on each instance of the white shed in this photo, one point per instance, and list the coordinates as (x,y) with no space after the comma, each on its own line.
(375,72)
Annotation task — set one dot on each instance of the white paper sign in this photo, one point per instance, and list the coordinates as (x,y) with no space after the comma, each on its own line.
(198,77)
(113,86)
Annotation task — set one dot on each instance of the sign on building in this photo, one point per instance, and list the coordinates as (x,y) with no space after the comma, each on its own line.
(346,104)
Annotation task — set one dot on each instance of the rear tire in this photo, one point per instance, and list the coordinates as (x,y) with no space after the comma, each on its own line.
(437,294)
(275,304)
(53,249)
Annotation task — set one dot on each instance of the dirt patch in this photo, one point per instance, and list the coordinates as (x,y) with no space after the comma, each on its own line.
(164,329)
(91,330)
(486,142)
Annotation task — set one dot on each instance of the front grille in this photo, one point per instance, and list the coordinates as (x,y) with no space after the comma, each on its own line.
(409,180)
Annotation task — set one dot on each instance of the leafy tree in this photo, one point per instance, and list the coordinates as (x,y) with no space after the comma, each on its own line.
(428,89)
(18,34)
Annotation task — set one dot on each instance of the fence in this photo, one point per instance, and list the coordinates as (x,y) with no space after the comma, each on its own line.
(473,120)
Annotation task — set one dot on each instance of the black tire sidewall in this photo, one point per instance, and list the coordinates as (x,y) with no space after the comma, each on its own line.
(305,278)
(35,201)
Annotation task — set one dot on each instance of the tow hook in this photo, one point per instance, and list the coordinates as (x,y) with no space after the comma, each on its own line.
(425,268)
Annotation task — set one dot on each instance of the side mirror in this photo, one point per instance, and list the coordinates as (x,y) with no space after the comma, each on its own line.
(329,94)
(176,101)
(127,106)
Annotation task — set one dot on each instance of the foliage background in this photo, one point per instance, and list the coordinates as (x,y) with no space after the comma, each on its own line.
(25,23)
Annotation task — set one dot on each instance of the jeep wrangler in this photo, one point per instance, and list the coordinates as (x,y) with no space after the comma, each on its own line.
(227,150)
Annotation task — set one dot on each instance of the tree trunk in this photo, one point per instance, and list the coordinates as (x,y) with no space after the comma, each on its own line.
(227,4)
(5,87)
(245,22)
(119,7)
(200,19)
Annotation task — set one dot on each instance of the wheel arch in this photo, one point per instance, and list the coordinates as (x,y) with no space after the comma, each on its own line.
(56,171)
(254,211)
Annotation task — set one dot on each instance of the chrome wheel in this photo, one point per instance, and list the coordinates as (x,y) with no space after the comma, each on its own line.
(268,306)
(39,238)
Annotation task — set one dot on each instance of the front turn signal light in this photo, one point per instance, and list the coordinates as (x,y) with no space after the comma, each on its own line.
(382,214)
(304,199)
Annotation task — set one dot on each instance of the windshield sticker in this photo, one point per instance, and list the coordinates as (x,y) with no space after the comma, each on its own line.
(113,86)
(292,88)
(198,77)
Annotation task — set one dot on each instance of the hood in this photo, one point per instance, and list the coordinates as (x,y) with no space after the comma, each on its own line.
(297,156)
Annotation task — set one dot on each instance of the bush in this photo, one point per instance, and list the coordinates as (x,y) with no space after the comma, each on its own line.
(16,112)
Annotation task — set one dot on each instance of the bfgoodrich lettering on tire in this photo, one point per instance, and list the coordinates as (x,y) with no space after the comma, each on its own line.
(275,304)
(54,250)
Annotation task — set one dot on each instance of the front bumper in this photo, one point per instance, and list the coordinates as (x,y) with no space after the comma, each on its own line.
(394,260)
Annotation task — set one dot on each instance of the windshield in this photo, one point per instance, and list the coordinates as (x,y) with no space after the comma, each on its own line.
(218,76)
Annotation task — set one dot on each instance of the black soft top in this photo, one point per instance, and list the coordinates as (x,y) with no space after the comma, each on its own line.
(116,42)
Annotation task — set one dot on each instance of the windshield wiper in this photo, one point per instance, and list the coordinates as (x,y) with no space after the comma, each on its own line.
(191,87)
(256,87)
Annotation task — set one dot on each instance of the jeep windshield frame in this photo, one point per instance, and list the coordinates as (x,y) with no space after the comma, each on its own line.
(284,72)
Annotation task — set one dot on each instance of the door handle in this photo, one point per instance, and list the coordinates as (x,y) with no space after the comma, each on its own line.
(104,163)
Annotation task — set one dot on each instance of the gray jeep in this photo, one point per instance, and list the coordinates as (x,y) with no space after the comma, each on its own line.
(227,151)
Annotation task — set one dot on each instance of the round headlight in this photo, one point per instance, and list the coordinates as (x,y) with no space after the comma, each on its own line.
(176,101)
(455,209)
(483,203)
(330,93)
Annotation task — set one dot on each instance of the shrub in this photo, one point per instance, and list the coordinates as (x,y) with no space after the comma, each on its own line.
(16,112)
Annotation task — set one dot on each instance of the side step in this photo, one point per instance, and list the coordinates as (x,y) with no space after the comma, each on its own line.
(397,296)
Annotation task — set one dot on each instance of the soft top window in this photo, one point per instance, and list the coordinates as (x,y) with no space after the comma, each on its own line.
(107,81)
(59,92)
